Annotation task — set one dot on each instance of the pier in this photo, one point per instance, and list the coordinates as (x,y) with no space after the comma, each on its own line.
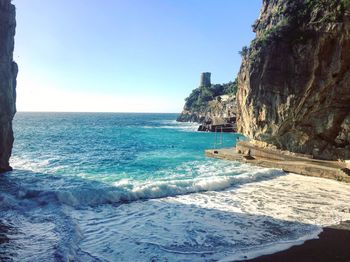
(247,152)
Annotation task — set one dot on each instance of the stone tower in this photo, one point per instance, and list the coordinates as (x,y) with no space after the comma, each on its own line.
(205,79)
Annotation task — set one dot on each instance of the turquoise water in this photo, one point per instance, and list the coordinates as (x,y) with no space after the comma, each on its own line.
(128,187)
(132,149)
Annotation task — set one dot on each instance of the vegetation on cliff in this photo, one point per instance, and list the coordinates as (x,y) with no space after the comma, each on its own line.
(288,19)
(200,97)
(293,85)
(211,105)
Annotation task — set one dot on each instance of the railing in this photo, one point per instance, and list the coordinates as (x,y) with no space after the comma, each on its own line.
(221,142)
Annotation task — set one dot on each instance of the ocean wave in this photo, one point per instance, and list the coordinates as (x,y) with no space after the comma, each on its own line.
(184,128)
(159,189)
(78,192)
(173,124)
(126,190)
(92,190)
(251,214)
(240,223)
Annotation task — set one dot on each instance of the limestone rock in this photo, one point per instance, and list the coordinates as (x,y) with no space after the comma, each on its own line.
(212,106)
(294,82)
(8,74)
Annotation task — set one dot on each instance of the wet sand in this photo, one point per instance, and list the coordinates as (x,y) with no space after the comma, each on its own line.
(333,245)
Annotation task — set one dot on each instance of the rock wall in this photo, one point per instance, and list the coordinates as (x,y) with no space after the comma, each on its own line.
(294,81)
(8,74)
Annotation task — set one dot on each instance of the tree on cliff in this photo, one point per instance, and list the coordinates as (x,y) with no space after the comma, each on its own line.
(200,97)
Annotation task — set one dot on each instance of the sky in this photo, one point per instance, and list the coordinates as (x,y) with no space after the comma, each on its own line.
(125,55)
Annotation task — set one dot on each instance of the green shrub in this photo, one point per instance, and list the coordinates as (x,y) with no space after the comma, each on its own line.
(346,3)
(200,97)
(244,51)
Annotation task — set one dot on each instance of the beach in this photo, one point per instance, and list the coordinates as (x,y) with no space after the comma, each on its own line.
(332,245)
(103,156)
(138,187)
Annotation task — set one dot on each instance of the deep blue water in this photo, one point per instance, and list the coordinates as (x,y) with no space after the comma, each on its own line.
(126,187)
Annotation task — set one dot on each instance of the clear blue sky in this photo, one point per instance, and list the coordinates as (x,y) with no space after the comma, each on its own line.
(125,55)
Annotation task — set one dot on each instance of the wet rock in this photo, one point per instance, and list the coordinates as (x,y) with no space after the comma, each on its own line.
(8,74)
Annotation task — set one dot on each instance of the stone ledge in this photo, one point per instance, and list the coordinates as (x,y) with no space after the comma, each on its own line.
(270,158)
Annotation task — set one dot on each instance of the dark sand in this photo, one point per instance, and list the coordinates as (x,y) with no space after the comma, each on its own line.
(333,245)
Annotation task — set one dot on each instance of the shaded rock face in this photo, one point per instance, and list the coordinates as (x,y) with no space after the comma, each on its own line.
(294,83)
(8,74)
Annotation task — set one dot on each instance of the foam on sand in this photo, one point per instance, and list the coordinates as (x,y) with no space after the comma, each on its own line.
(242,222)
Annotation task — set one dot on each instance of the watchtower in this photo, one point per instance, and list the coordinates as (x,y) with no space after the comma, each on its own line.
(205,79)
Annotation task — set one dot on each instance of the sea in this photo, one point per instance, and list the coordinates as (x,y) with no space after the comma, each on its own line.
(138,187)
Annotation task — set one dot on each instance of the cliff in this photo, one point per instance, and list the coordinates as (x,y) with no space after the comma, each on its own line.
(294,81)
(211,105)
(8,74)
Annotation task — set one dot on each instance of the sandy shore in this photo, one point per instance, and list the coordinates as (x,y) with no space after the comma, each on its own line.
(333,245)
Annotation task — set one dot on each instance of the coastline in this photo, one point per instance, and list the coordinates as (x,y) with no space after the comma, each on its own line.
(332,245)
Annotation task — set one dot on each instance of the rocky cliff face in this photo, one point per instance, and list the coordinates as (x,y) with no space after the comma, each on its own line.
(294,81)
(219,111)
(8,74)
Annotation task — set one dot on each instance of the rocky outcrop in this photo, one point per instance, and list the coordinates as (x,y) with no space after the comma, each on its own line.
(8,74)
(219,115)
(294,81)
(212,106)
(216,111)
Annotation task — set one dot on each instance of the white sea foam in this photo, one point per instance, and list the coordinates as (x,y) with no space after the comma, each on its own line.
(242,222)
(35,165)
(127,190)
(211,210)
(173,124)
(136,190)
(225,217)
(39,230)
(200,177)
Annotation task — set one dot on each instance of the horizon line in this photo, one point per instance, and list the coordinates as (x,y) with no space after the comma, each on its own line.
(110,112)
